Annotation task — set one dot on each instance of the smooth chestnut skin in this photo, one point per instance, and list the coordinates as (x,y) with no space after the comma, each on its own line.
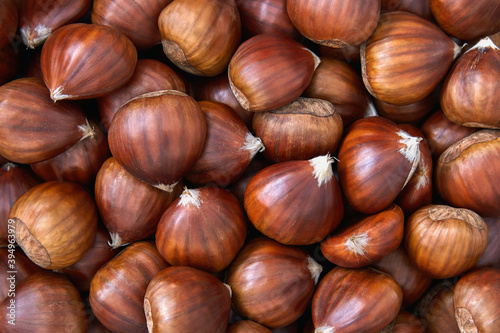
(491,256)
(185,234)
(477,301)
(83,61)
(130,209)
(207,38)
(406,322)
(301,130)
(138,20)
(334,23)
(439,229)
(45,301)
(272,283)
(268,72)
(413,282)
(15,180)
(32,127)
(337,82)
(436,309)
(55,222)
(393,67)
(247,326)
(472,164)
(469,96)
(118,288)
(186,299)
(478,21)
(24,267)
(8,21)
(295,202)
(149,75)
(418,7)
(345,297)
(366,241)
(158,136)
(79,163)
(440,132)
(10,64)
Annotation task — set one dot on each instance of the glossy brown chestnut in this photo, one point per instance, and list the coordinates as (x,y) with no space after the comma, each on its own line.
(15,180)
(130,208)
(367,240)
(345,297)
(458,235)
(440,132)
(477,21)
(8,21)
(349,54)
(79,163)
(229,147)
(405,58)
(418,7)
(55,223)
(272,283)
(10,63)
(118,288)
(268,72)
(337,82)
(149,75)
(469,96)
(44,302)
(376,161)
(186,299)
(207,38)
(24,267)
(335,23)
(491,256)
(186,237)
(138,20)
(295,202)
(468,173)
(413,282)
(477,301)
(32,127)
(158,136)
(82,61)
(301,130)
(436,309)
(39,18)
(406,322)
(247,326)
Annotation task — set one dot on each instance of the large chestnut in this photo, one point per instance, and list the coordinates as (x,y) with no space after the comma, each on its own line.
(158,136)
(437,229)
(55,223)
(354,300)
(272,283)
(295,202)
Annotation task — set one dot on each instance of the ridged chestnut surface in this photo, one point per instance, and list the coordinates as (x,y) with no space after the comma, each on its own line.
(40,18)
(158,136)
(82,61)
(268,72)
(458,235)
(32,127)
(295,202)
(468,173)
(301,130)
(203,228)
(55,222)
(405,58)
(272,283)
(186,299)
(345,297)
(376,160)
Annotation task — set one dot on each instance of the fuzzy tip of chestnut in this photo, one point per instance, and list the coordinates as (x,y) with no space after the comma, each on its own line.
(253,145)
(36,37)
(410,150)
(322,170)
(314,268)
(87,130)
(116,241)
(190,198)
(166,187)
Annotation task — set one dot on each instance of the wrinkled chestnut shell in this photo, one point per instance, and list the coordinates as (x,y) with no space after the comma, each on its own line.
(201,303)
(301,130)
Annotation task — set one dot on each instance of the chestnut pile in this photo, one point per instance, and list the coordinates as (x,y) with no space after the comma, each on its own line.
(237,166)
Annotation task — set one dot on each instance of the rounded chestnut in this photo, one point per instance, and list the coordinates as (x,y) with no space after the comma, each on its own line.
(439,229)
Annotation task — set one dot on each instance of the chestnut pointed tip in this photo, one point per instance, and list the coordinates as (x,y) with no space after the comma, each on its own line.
(57,94)
(166,187)
(253,145)
(190,198)
(36,37)
(410,150)
(322,170)
(116,240)
(229,289)
(324,329)
(88,131)
(315,268)
(484,43)
(357,243)
(371,111)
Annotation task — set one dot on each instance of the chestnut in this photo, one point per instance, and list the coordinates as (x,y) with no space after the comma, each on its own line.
(406,322)
(24,267)
(301,130)
(8,21)
(10,64)
(438,229)
(345,297)
(247,326)
(55,223)
(418,7)
(436,309)
(491,256)
(295,202)
(272,283)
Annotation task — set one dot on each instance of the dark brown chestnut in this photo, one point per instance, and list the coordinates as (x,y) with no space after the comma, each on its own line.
(436,309)
(10,63)
(247,326)
(8,21)
(418,7)
(491,256)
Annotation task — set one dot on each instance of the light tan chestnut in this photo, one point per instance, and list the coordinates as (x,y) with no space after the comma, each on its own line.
(82,61)
(405,58)
(207,38)
(458,235)
(295,202)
